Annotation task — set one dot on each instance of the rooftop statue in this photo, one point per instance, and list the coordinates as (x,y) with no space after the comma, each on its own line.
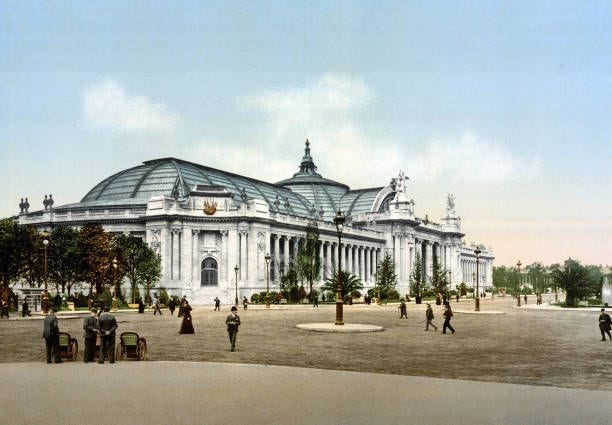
(450,204)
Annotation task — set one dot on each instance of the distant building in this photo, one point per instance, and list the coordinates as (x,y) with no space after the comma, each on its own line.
(204,222)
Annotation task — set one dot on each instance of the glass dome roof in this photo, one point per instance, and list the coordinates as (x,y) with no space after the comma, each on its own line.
(175,178)
(306,194)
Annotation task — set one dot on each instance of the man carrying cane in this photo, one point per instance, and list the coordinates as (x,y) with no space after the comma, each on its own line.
(402,309)
(429,316)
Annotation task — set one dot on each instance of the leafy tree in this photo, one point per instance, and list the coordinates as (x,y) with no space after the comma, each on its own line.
(536,274)
(289,283)
(308,260)
(416,277)
(138,262)
(150,274)
(462,289)
(386,279)
(349,283)
(439,281)
(63,255)
(574,278)
(34,263)
(15,248)
(96,253)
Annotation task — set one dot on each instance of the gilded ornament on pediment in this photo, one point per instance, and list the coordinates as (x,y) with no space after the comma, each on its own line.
(210,207)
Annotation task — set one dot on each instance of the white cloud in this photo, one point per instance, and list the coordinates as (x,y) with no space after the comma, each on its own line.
(332,113)
(471,158)
(107,104)
(333,97)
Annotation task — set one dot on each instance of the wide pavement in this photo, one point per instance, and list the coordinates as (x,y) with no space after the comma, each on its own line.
(184,393)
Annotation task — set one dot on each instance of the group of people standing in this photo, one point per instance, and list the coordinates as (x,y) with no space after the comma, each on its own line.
(103,324)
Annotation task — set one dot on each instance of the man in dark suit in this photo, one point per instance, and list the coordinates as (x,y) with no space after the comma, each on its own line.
(51,336)
(107,324)
(90,327)
(605,323)
(232,321)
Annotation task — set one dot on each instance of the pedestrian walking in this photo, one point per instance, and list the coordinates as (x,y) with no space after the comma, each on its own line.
(448,313)
(605,323)
(245,302)
(429,316)
(217,304)
(402,309)
(107,324)
(525,298)
(141,305)
(315,301)
(25,308)
(186,324)
(51,335)
(90,328)
(171,306)
(181,306)
(4,309)
(233,322)
(156,307)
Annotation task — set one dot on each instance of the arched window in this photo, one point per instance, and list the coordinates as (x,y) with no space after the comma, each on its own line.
(209,272)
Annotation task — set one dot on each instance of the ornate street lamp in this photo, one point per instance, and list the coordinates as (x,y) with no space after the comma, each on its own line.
(45,297)
(236,268)
(115,281)
(518,295)
(477,299)
(267,258)
(339,221)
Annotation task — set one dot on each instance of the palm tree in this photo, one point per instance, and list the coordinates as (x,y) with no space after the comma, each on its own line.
(349,283)
(574,279)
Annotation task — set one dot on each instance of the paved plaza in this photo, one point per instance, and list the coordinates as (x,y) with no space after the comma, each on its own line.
(556,357)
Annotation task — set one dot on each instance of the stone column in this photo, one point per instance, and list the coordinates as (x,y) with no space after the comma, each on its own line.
(397,254)
(429,248)
(186,257)
(224,275)
(360,261)
(321,260)
(366,265)
(233,260)
(242,262)
(328,260)
(165,240)
(176,252)
(286,253)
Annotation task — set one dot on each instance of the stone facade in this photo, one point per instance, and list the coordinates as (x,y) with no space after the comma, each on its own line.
(209,231)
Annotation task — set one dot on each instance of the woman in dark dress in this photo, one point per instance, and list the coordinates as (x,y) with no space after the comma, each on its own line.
(140,306)
(186,325)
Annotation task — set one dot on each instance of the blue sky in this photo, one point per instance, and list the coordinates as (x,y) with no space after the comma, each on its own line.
(505,104)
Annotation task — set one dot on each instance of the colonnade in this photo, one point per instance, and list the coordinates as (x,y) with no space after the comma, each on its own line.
(468,271)
(357,258)
(405,248)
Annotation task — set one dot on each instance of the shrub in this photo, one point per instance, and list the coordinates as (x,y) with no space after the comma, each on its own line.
(163,297)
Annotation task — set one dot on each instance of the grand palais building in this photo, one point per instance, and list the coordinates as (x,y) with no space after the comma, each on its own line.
(206,223)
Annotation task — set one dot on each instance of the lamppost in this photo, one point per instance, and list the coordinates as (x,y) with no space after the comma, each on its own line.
(236,268)
(267,258)
(518,295)
(45,297)
(477,251)
(115,281)
(339,221)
